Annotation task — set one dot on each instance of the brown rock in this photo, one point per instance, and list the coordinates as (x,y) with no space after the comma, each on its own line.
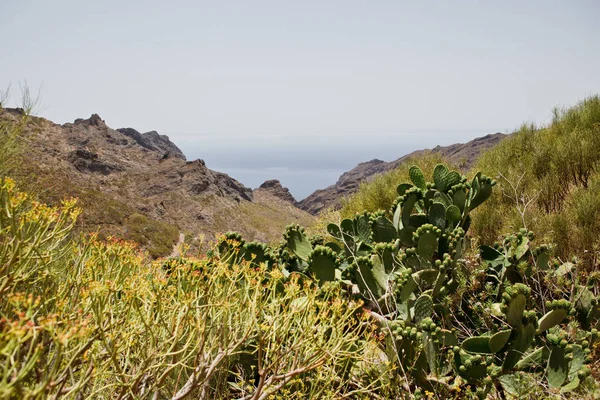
(275,188)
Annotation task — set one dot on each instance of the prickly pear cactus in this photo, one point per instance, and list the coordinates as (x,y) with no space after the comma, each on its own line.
(449,322)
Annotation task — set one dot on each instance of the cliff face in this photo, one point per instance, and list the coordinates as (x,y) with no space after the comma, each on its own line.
(118,173)
(274,188)
(464,154)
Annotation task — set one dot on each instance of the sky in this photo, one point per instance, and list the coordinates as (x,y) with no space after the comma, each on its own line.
(302,91)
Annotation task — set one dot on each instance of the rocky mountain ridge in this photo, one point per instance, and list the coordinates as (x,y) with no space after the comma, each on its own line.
(274,187)
(122,176)
(463,154)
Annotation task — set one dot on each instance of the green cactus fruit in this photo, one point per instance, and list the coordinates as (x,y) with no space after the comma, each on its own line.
(437,215)
(402,188)
(423,308)
(439,173)
(298,243)
(383,230)
(477,344)
(453,213)
(556,371)
(322,263)
(416,177)
(551,319)
(499,340)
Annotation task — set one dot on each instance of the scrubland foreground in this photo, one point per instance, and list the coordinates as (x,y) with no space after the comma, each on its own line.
(399,303)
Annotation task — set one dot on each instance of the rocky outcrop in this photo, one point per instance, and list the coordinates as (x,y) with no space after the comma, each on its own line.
(275,188)
(463,154)
(154,142)
(87,161)
(119,172)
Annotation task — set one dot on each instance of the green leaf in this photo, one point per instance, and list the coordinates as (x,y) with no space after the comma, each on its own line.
(416,220)
(552,318)
(363,228)
(383,230)
(416,176)
(439,172)
(515,310)
(453,213)
(499,340)
(402,188)
(299,244)
(406,236)
(437,215)
(322,265)
(460,199)
(334,231)
(407,208)
(577,361)
(535,358)
(477,344)
(519,346)
(569,387)
(484,192)
(557,367)
(427,245)
(423,308)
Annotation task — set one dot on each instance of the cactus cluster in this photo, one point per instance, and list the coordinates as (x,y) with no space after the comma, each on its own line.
(407,266)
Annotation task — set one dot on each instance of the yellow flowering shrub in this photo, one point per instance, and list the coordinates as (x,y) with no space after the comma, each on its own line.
(89,319)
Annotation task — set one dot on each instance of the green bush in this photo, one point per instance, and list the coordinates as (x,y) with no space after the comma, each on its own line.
(156,236)
(546,177)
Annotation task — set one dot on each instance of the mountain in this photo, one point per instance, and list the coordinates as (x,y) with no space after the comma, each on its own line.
(140,186)
(463,154)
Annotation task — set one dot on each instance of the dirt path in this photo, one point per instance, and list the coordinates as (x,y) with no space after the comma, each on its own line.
(176,249)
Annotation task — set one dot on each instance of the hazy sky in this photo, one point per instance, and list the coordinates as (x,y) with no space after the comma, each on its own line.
(262,89)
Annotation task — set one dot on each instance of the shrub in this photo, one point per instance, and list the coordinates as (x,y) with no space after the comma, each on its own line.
(94,320)
(516,324)
(546,180)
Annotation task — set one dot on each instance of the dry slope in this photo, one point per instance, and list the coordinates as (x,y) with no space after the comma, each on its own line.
(141,187)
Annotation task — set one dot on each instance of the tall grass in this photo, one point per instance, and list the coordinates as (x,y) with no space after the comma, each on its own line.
(548,180)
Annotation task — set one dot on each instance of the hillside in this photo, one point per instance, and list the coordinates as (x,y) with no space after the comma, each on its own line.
(141,187)
(463,154)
